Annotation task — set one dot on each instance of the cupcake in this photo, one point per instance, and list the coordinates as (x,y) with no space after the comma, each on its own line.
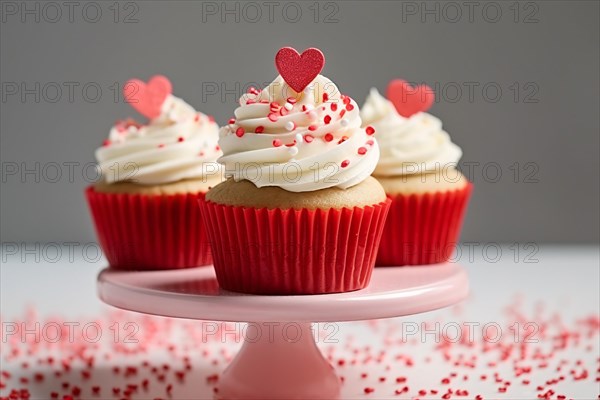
(417,169)
(299,213)
(145,206)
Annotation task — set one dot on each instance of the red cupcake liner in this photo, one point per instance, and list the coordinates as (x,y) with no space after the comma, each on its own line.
(262,251)
(150,232)
(423,228)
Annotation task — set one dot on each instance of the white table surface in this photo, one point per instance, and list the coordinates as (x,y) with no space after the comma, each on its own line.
(554,293)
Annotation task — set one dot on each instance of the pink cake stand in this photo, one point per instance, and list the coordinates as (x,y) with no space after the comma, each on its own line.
(279,358)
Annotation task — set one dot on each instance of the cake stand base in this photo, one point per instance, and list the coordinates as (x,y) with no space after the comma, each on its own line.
(279,360)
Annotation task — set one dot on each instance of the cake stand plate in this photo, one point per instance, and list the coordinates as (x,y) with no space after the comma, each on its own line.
(279,358)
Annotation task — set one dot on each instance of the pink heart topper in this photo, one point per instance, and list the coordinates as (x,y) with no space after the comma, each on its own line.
(298,70)
(147,98)
(409,100)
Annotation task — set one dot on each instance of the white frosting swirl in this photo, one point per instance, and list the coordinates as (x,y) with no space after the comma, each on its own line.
(179,144)
(298,141)
(413,145)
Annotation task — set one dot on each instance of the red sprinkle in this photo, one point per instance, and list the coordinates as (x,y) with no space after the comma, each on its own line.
(259,129)
(345,163)
(327,119)
(328,137)
(370,130)
(308,138)
(180,139)
(369,390)
(362,150)
(240,132)
(312,128)
(273,117)
(277,143)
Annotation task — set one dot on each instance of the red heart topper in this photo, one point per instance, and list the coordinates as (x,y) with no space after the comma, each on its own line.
(409,100)
(298,70)
(147,98)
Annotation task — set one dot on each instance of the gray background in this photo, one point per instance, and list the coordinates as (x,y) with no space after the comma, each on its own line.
(554,198)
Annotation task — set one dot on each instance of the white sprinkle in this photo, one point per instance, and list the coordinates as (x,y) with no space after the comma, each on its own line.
(173,116)
(299,138)
(293,150)
(344,122)
(309,107)
(290,126)
(288,106)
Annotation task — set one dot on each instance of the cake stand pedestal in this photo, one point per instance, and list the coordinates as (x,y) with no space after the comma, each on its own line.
(279,358)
